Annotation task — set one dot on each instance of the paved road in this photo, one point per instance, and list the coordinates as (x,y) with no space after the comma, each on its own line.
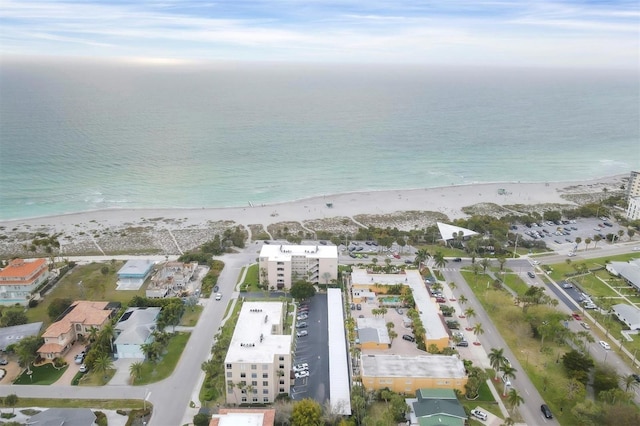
(491,338)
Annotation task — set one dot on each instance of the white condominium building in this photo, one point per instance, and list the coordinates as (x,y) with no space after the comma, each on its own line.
(282,265)
(633,189)
(258,362)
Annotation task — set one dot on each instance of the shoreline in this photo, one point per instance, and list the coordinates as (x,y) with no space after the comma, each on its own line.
(448,200)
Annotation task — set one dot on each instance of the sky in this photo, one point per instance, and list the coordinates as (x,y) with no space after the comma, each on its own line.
(562,33)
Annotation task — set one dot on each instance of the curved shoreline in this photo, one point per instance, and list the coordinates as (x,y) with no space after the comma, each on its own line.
(448,200)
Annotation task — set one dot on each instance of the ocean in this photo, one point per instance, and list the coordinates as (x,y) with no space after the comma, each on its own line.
(80,136)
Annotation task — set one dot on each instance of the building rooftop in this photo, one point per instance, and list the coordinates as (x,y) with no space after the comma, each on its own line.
(284,252)
(253,339)
(339,380)
(136,325)
(412,366)
(19,270)
(63,416)
(426,306)
(447,231)
(373,330)
(136,267)
(628,270)
(84,312)
(630,313)
(15,333)
(243,417)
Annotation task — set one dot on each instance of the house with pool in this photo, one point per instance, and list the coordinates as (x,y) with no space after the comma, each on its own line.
(365,283)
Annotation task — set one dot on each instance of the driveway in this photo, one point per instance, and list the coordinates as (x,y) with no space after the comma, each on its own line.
(122,376)
(73,368)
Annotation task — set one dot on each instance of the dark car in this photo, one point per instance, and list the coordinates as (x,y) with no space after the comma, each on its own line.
(636,377)
(531,274)
(359,307)
(216,289)
(353,306)
(457,259)
(546,411)
(409,338)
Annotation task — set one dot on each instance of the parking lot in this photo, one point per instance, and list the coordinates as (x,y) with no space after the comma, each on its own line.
(562,237)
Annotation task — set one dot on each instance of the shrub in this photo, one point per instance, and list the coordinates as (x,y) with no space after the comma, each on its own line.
(59,362)
(101,418)
(200,419)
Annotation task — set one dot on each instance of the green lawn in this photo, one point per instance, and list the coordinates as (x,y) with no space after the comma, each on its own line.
(511,323)
(515,283)
(92,378)
(252,279)
(105,404)
(95,286)
(153,372)
(191,316)
(42,375)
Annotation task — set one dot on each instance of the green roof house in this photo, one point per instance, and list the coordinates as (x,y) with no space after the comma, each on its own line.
(436,407)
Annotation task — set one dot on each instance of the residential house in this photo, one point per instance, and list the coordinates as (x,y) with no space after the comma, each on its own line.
(133,274)
(436,407)
(281,265)
(172,279)
(76,322)
(12,335)
(20,278)
(134,329)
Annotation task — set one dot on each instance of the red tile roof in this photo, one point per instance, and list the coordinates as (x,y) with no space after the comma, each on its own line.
(21,272)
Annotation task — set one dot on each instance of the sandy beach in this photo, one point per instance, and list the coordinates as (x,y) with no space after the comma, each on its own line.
(173,231)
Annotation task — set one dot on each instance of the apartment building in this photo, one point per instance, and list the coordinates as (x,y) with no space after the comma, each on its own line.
(633,189)
(20,278)
(258,362)
(282,265)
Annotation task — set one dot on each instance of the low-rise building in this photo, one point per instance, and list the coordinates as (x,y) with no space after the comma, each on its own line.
(134,273)
(12,335)
(134,329)
(281,265)
(373,333)
(258,361)
(629,271)
(436,407)
(244,417)
(20,278)
(363,281)
(76,322)
(172,279)
(630,315)
(407,374)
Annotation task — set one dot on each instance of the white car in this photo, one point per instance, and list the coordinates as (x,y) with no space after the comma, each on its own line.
(302,374)
(218,296)
(302,333)
(83,368)
(479,414)
(605,345)
(300,367)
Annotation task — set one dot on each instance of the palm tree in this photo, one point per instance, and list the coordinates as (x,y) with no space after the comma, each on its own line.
(497,360)
(509,422)
(11,400)
(478,330)
(462,300)
(102,364)
(469,313)
(485,263)
(421,256)
(502,261)
(514,399)
(93,334)
(135,371)
(452,286)
(508,372)
(439,260)
(587,241)
(630,382)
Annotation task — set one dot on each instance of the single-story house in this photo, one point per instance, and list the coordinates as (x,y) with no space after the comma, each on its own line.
(373,333)
(433,407)
(12,335)
(134,329)
(630,315)
(629,271)
(133,274)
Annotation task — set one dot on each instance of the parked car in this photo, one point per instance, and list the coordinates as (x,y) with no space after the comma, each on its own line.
(79,358)
(585,326)
(546,411)
(453,325)
(359,307)
(408,338)
(300,367)
(83,368)
(479,414)
(353,306)
(216,289)
(576,316)
(4,361)
(218,296)
(531,274)
(301,325)
(463,343)
(302,333)
(457,259)
(302,317)
(605,345)
(302,374)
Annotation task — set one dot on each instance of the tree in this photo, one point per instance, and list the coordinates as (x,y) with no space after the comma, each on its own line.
(13,317)
(469,313)
(326,276)
(478,330)
(104,270)
(497,359)
(27,351)
(201,419)
(306,413)
(502,261)
(439,260)
(577,365)
(588,413)
(514,399)
(508,372)
(630,383)
(462,299)
(421,256)
(102,364)
(11,400)
(302,290)
(485,263)
(135,371)
(587,241)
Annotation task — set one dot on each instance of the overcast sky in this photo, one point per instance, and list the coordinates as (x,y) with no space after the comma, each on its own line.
(564,33)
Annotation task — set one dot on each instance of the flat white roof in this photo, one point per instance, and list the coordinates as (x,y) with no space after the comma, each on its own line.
(240,419)
(136,267)
(373,330)
(426,306)
(447,231)
(339,383)
(252,341)
(285,252)
(412,366)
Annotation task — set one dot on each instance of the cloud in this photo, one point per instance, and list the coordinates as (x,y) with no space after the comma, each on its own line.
(377,30)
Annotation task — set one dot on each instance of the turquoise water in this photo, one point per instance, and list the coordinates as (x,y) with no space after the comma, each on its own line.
(77,137)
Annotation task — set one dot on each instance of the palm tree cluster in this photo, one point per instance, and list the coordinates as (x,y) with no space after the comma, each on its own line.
(501,364)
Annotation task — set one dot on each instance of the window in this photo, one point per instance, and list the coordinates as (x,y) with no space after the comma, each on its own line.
(254,375)
(281,390)
(265,366)
(243,374)
(281,366)
(244,399)
(243,382)
(254,383)
(265,399)
(281,358)
(255,399)
(228,366)
(282,382)
(265,391)
(265,375)
(229,389)
(265,383)
(254,367)
(229,374)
